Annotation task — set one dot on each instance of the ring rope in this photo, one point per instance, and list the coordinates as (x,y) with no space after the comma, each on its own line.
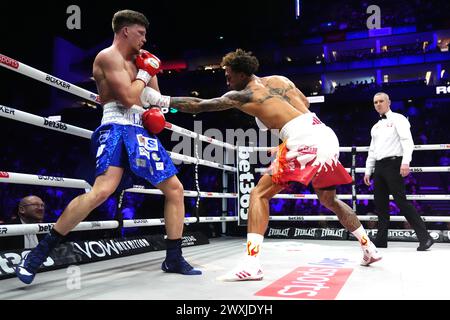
(39,180)
(36,74)
(36,228)
(363,170)
(197,185)
(326,217)
(20,178)
(364,196)
(43,122)
(421,147)
(29,118)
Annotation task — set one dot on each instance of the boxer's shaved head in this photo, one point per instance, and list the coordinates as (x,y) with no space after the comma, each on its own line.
(125,18)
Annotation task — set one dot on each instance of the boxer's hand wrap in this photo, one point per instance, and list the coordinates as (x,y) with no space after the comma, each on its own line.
(151,97)
(144,76)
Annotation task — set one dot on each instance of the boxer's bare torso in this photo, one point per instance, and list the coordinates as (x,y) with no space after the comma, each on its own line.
(110,63)
(275,100)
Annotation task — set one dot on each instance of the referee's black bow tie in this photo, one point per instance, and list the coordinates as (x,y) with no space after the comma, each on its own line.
(383,117)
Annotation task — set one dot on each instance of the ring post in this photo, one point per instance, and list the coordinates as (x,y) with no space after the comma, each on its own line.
(352,171)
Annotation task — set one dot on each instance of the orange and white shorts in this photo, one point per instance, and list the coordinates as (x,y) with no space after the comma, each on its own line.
(309,152)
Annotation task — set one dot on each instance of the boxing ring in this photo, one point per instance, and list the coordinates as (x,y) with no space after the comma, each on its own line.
(136,276)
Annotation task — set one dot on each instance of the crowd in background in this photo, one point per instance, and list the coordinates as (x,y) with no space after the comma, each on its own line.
(42,152)
(37,151)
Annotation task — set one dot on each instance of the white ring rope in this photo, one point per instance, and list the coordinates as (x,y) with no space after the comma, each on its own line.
(364,196)
(40,180)
(326,217)
(421,147)
(20,178)
(36,74)
(412,169)
(12,177)
(37,228)
(29,118)
(363,170)
(206,163)
(187,193)
(201,137)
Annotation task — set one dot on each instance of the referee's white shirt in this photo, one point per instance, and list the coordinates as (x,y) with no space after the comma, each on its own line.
(390,137)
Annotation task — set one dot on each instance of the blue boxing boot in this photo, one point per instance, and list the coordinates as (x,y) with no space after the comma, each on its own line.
(28,266)
(175,262)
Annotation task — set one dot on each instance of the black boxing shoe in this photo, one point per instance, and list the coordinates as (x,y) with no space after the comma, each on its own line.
(426,245)
(179,265)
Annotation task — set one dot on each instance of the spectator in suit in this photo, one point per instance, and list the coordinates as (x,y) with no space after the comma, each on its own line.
(30,209)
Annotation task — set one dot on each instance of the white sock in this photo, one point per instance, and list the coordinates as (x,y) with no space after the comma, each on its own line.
(254,242)
(362,236)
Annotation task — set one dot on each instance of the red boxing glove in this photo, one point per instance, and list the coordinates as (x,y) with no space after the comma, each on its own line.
(148,64)
(153,120)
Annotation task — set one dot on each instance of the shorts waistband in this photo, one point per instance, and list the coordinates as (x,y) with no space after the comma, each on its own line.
(302,122)
(114,112)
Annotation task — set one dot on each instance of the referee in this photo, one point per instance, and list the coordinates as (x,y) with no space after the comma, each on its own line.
(390,153)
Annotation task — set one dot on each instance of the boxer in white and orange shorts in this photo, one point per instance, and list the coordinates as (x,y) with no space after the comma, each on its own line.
(309,152)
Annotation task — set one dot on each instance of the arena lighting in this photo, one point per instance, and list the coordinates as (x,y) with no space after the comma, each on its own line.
(442,73)
(298,5)
(88,104)
(212,67)
(428,76)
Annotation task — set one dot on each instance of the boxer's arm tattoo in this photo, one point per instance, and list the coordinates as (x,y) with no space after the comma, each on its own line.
(232,99)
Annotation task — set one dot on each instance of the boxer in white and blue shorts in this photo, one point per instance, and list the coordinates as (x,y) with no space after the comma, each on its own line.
(123,72)
(121,141)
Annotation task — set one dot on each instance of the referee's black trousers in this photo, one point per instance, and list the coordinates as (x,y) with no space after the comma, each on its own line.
(387,180)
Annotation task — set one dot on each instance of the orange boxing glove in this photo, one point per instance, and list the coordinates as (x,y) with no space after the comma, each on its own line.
(153,120)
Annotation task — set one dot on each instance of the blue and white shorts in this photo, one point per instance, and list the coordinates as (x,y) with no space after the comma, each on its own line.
(133,147)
